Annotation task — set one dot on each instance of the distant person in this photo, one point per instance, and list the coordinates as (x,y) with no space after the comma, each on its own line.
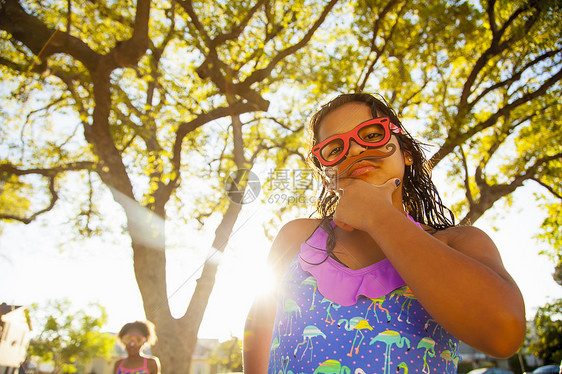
(134,336)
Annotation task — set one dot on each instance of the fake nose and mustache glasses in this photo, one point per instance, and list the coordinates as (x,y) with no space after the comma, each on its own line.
(372,134)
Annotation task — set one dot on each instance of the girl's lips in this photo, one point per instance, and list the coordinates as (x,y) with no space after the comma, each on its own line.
(361,170)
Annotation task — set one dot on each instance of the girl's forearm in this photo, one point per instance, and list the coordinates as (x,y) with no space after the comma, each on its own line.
(465,289)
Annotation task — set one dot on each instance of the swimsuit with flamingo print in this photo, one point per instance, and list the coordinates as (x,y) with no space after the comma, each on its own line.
(332,319)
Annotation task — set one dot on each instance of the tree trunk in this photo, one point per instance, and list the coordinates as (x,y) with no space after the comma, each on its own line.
(188,325)
(146,228)
(150,273)
(176,350)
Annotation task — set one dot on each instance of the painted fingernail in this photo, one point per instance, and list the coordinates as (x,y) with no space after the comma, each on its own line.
(397,182)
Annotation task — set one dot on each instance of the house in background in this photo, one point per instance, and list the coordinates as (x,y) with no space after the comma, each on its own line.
(14,337)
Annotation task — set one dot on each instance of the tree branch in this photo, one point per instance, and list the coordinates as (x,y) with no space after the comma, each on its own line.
(8,168)
(52,202)
(107,13)
(237,29)
(283,125)
(495,47)
(490,194)
(129,52)
(14,66)
(261,74)
(373,47)
(514,104)
(490,11)
(188,7)
(80,108)
(549,188)
(40,39)
(69,17)
(187,127)
(211,68)
(468,191)
(146,130)
(452,141)
(50,174)
(531,171)
(516,76)
(157,52)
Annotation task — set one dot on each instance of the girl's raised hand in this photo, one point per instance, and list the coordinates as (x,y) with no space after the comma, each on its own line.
(359,199)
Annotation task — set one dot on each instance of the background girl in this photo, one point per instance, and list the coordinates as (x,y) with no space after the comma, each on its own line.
(383,281)
(134,336)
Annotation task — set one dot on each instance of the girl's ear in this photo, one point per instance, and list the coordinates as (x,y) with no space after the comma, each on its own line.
(408,158)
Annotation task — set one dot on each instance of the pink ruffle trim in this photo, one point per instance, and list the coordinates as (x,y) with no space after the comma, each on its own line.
(341,284)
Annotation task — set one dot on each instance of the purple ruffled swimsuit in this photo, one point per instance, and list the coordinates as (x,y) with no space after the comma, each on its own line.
(332,319)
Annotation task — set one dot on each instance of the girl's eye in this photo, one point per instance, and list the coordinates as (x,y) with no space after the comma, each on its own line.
(332,150)
(373,137)
(335,151)
(372,133)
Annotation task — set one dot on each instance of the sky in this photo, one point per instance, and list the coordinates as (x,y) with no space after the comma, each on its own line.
(37,265)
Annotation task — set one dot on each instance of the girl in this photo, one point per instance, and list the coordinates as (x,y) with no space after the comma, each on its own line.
(134,336)
(383,282)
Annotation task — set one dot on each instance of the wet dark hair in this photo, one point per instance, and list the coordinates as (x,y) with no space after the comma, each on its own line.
(146,328)
(420,197)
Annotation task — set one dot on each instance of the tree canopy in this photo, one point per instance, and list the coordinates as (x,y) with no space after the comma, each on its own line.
(545,341)
(67,337)
(228,355)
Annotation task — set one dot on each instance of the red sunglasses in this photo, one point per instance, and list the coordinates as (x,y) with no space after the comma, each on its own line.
(374,132)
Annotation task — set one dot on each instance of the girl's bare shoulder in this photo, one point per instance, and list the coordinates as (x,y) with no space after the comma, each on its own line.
(289,239)
(461,233)
(470,240)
